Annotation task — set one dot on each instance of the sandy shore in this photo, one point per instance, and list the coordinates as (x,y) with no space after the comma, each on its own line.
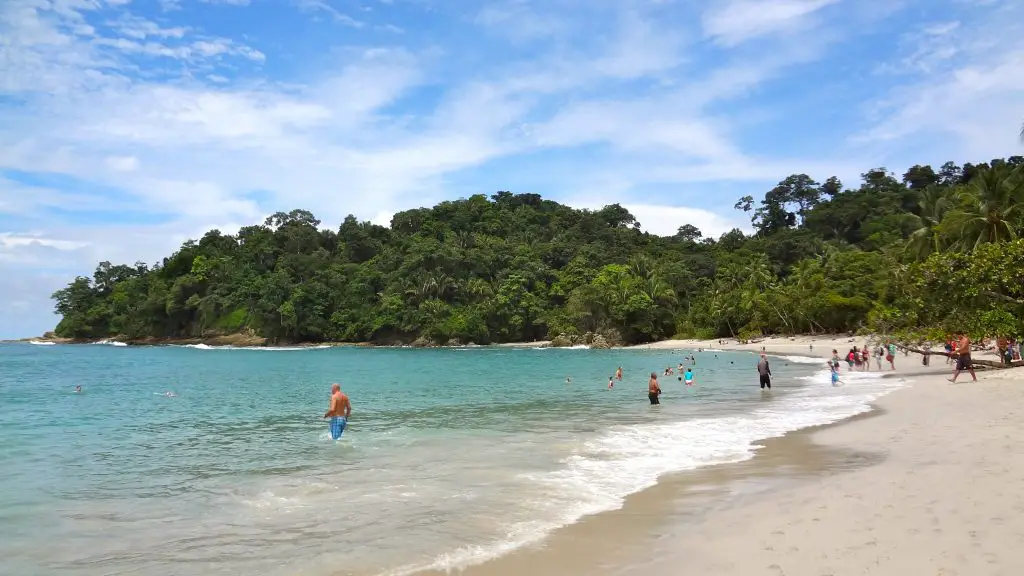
(803,346)
(944,498)
(929,483)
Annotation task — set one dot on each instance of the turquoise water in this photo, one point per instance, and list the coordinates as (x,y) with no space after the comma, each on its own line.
(452,456)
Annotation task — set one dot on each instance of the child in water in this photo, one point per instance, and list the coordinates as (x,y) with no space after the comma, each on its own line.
(611,383)
(835,373)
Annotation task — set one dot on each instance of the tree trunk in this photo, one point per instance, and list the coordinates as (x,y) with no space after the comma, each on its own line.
(985,363)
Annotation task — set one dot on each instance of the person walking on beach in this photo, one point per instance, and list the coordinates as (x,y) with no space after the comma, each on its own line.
(765,373)
(338,411)
(891,356)
(653,390)
(963,358)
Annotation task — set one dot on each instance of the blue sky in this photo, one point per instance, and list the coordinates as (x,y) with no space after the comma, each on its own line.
(127,127)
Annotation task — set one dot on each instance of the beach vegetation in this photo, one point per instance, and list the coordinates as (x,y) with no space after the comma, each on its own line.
(932,251)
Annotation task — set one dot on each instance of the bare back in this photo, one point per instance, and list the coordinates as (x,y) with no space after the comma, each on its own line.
(340,405)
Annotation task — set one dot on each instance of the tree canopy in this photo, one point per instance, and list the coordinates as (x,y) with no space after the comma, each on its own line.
(935,249)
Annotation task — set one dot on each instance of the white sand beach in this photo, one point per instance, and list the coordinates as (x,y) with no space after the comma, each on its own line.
(945,499)
(803,346)
(930,484)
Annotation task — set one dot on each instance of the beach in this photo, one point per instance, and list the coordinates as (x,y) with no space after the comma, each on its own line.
(721,478)
(927,483)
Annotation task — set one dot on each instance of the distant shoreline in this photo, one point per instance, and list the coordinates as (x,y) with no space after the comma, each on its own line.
(241,340)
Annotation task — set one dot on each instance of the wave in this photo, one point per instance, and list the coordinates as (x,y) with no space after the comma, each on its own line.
(626,459)
(109,343)
(41,343)
(263,348)
(801,359)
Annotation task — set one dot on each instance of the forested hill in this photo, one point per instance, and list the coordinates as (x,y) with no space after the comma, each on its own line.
(515,267)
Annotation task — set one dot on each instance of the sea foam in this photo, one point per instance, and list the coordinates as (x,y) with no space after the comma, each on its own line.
(602,472)
(263,348)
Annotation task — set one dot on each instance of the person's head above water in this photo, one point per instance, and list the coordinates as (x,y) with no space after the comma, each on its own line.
(653,375)
(335,388)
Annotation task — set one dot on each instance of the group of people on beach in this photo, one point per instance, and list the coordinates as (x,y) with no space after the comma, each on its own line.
(859,358)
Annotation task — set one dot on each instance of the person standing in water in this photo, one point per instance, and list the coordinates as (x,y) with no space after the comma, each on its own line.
(338,411)
(688,376)
(963,359)
(611,383)
(653,390)
(618,373)
(765,372)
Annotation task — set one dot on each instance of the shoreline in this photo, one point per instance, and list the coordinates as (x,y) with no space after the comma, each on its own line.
(930,467)
(572,547)
(243,341)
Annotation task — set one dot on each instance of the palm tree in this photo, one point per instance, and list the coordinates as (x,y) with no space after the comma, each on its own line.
(927,238)
(479,289)
(990,207)
(658,291)
(641,266)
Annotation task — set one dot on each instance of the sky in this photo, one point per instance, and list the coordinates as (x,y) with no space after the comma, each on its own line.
(130,126)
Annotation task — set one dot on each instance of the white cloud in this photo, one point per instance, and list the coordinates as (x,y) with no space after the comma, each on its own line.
(169,122)
(10,241)
(732,22)
(316,6)
(122,163)
(964,99)
(665,220)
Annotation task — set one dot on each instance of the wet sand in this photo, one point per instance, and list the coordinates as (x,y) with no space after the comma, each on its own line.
(928,483)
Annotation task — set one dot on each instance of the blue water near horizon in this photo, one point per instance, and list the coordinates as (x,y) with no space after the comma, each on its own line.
(452,456)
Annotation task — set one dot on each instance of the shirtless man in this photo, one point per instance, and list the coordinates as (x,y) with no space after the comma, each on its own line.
(963,359)
(339,411)
(764,373)
(653,390)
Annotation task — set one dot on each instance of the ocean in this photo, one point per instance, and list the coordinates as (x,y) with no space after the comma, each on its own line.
(452,456)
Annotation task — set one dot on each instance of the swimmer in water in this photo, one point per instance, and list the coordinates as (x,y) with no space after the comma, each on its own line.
(653,390)
(338,411)
(568,380)
(611,383)
(78,389)
(170,394)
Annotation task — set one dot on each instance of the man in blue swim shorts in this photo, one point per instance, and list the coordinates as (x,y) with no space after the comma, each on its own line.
(339,411)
